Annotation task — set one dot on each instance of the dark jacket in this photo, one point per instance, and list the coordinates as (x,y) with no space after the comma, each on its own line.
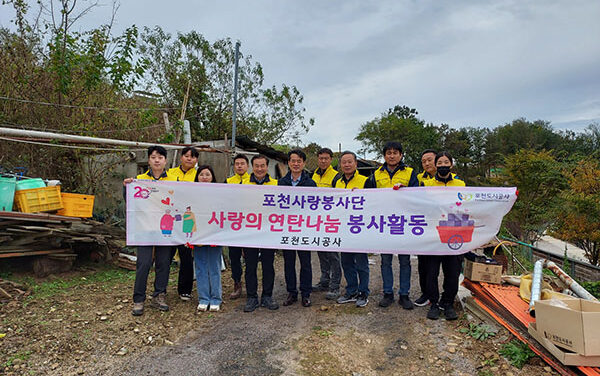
(305,180)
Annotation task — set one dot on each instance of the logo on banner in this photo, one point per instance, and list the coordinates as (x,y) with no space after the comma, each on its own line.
(465,197)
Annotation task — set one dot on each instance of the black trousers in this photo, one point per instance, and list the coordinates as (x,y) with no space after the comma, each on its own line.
(289,266)
(451,265)
(267,257)
(235,260)
(422,268)
(144,262)
(185,282)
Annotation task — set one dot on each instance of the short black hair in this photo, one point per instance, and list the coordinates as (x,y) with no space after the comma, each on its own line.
(299,153)
(346,152)
(241,156)
(206,167)
(260,156)
(443,154)
(427,151)
(187,149)
(392,145)
(325,151)
(157,148)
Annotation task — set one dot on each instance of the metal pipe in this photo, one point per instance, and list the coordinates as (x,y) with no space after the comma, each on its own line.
(235,94)
(536,285)
(68,137)
(570,282)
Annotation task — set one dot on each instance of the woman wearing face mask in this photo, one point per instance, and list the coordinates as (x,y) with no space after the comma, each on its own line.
(451,264)
(207,261)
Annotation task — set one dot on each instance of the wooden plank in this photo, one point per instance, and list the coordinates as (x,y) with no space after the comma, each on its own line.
(31,253)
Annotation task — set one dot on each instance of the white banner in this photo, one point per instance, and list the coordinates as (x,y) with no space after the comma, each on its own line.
(426,221)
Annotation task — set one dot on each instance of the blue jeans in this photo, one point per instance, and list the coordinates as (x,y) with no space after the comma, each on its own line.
(356,272)
(207,262)
(388,275)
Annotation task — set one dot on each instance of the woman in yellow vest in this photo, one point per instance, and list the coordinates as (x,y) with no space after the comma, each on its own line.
(186,171)
(451,264)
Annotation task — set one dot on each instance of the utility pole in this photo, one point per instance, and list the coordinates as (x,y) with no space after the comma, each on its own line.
(235,90)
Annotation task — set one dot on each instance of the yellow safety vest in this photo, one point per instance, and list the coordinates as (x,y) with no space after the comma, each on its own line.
(179,175)
(383,180)
(237,179)
(453,182)
(268,180)
(326,179)
(356,181)
(148,176)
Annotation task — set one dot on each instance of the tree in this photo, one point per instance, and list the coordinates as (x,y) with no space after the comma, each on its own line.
(539,179)
(578,215)
(400,124)
(267,115)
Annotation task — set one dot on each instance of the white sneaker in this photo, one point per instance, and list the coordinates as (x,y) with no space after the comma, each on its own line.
(216,308)
(202,307)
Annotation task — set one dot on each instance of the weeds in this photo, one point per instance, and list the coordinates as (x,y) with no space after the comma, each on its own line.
(479,331)
(517,353)
(322,332)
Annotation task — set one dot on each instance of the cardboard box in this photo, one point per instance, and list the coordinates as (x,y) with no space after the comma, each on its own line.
(479,272)
(565,357)
(573,325)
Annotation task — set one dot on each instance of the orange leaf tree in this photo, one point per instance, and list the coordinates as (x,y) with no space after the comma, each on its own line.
(578,215)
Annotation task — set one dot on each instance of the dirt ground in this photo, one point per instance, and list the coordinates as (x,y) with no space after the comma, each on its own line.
(80,324)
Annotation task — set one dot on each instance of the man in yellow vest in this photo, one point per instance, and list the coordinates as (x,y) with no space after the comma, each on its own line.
(331,271)
(260,176)
(428,164)
(355,265)
(394,173)
(241,176)
(157,160)
(186,171)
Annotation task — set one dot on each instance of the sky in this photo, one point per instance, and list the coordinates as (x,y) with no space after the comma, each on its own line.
(462,63)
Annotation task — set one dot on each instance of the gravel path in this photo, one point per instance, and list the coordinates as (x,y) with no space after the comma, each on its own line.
(325,339)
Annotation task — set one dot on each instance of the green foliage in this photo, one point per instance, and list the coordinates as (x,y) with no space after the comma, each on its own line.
(592,287)
(517,353)
(538,177)
(401,124)
(321,332)
(478,331)
(267,115)
(108,278)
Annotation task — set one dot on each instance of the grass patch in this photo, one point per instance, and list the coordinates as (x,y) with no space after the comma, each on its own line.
(517,353)
(106,278)
(321,332)
(23,356)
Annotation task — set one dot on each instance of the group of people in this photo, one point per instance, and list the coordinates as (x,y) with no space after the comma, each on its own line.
(206,260)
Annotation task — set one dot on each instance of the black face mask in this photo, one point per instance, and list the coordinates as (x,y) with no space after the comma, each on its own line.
(443,170)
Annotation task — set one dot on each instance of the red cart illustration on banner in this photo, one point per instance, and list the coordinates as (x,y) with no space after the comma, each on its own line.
(456,230)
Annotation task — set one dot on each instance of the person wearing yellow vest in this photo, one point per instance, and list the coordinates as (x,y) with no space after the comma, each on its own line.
(157,160)
(394,174)
(240,167)
(428,164)
(260,176)
(186,171)
(355,265)
(451,264)
(331,269)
